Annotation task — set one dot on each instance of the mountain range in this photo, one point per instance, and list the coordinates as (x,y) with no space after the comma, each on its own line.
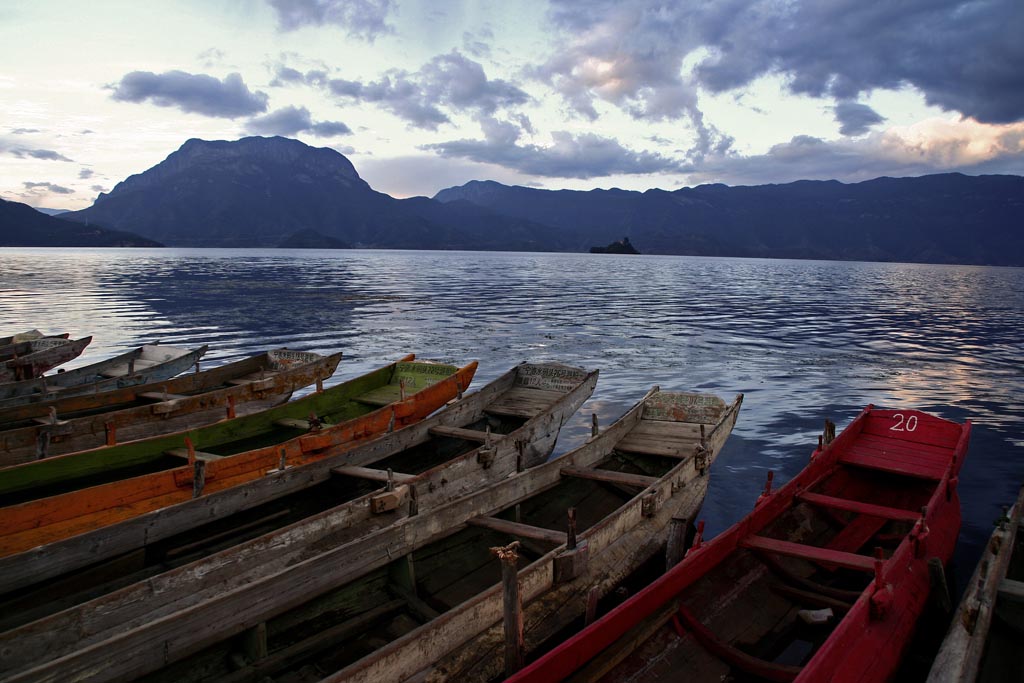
(279,192)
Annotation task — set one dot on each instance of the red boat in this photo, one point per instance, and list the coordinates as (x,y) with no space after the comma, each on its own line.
(823,581)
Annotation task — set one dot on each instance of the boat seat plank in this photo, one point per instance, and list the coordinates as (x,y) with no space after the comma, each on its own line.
(159,396)
(680,449)
(854,536)
(183,453)
(293,423)
(381,396)
(627,478)
(913,460)
(523,402)
(121,369)
(1011,590)
(666,429)
(810,552)
(893,465)
(903,448)
(858,507)
(516,529)
(371,474)
(460,433)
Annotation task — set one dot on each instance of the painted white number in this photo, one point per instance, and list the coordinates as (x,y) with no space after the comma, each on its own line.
(903,425)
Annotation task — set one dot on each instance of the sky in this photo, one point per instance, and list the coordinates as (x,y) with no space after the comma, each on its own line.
(558,94)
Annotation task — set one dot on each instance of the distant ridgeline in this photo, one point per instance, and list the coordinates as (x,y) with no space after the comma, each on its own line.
(23,226)
(270,192)
(621,247)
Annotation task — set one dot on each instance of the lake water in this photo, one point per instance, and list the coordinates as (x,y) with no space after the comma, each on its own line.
(803,340)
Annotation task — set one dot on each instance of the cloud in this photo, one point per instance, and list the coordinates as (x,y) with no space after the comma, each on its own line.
(290,120)
(23,152)
(569,156)
(427,174)
(49,187)
(211,57)
(475,44)
(193,93)
(855,118)
(24,131)
(931,146)
(365,19)
(86,173)
(649,57)
(451,82)
(97,188)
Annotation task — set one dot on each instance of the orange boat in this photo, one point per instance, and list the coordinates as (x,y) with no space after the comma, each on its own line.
(63,496)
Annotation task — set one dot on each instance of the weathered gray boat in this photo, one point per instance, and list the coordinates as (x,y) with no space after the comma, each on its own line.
(148,363)
(242,387)
(984,639)
(33,358)
(483,439)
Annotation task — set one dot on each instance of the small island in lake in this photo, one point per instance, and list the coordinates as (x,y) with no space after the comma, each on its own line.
(623,246)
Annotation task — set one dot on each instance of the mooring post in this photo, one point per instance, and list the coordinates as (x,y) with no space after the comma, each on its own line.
(675,549)
(594,429)
(513,607)
(570,537)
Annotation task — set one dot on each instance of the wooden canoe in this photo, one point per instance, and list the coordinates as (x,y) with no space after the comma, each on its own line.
(246,386)
(21,345)
(984,640)
(28,335)
(69,494)
(39,356)
(525,410)
(823,581)
(148,363)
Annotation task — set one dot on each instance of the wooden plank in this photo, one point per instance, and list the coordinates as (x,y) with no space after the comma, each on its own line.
(810,552)
(680,451)
(460,433)
(894,466)
(183,453)
(858,507)
(371,474)
(159,396)
(627,478)
(516,529)
(1011,590)
(906,455)
(522,402)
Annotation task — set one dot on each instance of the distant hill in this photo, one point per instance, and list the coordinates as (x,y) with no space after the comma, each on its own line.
(258,192)
(50,212)
(23,226)
(948,218)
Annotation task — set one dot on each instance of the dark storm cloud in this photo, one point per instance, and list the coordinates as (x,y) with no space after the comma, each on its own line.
(451,82)
(292,120)
(855,118)
(194,93)
(86,173)
(49,187)
(23,152)
(360,18)
(570,156)
(963,55)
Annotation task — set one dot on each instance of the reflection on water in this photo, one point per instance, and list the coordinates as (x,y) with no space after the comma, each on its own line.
(803,340)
